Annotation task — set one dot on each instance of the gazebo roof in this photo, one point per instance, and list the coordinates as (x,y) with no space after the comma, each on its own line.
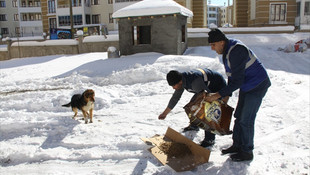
(152,7)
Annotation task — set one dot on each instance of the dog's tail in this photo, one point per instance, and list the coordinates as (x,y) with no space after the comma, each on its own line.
(67,105)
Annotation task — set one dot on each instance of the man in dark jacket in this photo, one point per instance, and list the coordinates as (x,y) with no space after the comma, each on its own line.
(194,81)
(247,73)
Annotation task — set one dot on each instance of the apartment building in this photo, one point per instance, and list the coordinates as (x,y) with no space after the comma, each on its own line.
(213,15)
(229,15)
(9,20)
(302,19)
(198,7)
(226,16)
(258,13)
(35,17)
(20,18)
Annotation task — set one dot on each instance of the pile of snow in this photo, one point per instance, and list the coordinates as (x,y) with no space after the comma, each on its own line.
(38,136)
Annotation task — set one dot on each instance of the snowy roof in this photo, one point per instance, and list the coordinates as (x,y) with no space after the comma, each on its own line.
(152,7)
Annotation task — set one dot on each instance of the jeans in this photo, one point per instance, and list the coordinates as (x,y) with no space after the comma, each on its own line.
(245,114)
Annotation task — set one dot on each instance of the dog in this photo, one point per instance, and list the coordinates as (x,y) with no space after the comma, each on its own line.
(85,103)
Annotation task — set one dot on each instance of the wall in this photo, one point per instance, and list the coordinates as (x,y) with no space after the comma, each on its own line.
(38,48)
(198,38)
(166,34)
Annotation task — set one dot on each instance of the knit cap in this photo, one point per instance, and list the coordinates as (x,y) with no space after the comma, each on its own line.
(216,35)
(174,77)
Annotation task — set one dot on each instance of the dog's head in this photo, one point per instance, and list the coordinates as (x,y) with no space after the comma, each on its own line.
(89,95)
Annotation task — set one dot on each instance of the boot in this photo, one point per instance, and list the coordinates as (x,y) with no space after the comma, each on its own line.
(191,128)
(242,156)
(230,150)
(207,143)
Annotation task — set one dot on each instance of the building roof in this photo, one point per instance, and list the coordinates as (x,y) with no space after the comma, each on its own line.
(152,7)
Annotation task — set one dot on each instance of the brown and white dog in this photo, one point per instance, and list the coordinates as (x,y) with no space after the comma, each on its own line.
(85,103)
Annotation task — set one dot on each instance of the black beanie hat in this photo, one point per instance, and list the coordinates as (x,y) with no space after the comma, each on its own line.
(174,77)
(216,35)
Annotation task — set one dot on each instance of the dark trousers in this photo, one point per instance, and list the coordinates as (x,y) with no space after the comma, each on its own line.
(245,114)
(208,135)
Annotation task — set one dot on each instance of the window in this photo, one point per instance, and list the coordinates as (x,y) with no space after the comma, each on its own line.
(3,17)
(110,1)
(31,16)
(278,12)
(110,18)
(2,3)
(307,8)
(65,20)
(14,3)
(95,2)
(143,34)
(51,6)
(212,15)
(24,17)
(298,9)
(76,3)
(77,20)
(52,23)
(17,30)
(183,33)
(95,19)
(87,17)
(87,3)
(213,9)
(38,17)
(16,17)
(37,3)
(4,31)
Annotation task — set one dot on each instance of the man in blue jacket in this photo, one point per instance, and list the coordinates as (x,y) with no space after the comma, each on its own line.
(246,73)
(194,81)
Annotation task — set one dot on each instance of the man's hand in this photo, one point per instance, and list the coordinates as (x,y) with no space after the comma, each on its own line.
(212,97)
(162,116)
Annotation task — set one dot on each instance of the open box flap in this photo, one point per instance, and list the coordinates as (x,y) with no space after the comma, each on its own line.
(198,156)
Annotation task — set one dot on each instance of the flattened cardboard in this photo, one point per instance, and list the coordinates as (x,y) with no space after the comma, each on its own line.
(199,154)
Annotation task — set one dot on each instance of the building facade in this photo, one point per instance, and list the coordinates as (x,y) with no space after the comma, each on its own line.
(198,7)
(35,17)
(20,18)
(302,20)
(213,16)
(9,19)
(259,13)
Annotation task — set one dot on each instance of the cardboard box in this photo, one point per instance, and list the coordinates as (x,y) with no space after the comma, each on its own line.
(198,155)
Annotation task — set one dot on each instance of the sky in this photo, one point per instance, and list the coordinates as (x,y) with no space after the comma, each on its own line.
(39,136)
(220,2)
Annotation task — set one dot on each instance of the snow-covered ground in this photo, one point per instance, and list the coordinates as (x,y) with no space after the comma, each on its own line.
(38,136)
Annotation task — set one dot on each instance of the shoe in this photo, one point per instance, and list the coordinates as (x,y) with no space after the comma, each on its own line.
(230,150)
(207,143)
(242,156)
(190,128)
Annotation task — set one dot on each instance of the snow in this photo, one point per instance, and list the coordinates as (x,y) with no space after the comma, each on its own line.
(38,136)
(151,7)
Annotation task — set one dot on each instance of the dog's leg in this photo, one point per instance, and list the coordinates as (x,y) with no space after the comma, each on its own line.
(75,110)
(91,115)
(85,116)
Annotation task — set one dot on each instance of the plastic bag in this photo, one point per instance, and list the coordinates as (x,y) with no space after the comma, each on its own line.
(214,117)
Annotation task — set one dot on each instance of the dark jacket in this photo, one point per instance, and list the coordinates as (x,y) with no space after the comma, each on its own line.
(243,68)
(196,81)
